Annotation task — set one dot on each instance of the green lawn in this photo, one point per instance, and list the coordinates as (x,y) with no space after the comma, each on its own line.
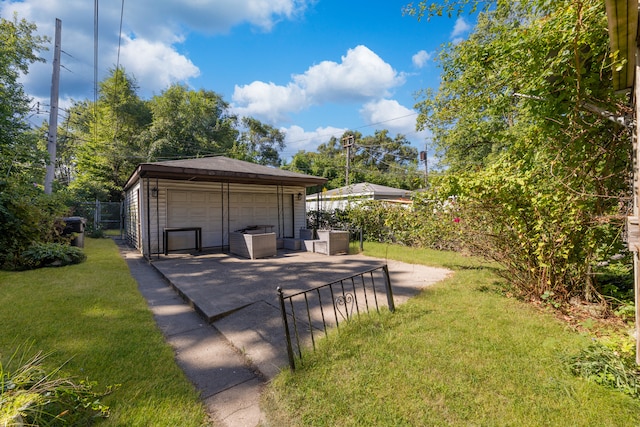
(460,354)
(93,314)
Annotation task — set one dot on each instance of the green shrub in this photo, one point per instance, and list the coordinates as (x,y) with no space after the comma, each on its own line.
(606,366)
(52,255)
(432,222)
(27,216)
(97,233)
(31,395)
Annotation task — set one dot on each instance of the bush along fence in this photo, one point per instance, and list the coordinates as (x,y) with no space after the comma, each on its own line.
(309,314)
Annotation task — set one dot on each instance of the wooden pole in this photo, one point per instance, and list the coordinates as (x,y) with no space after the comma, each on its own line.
(636,197)
(53,113)
(348,142)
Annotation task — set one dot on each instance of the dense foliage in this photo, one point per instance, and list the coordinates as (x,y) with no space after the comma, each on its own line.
(27,216)
(541,178)
(19,152)
(378,159)
(431,222)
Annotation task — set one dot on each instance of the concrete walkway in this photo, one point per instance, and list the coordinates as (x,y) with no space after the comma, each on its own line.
(220,314)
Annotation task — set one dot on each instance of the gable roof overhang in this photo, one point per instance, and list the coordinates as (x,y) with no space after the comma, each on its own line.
(363,190)
(622,19)
(221,169)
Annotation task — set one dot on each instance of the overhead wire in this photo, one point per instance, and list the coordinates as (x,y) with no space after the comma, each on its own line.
(120,35)
(339,133)
(95,68)
(117,76)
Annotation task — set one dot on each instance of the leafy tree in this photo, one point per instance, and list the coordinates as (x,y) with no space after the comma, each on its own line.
(383,160)
(107,137)
(540,176)
(19,48)
(27,217)
(263,142)
(378,159)
(190,123)
(327,162)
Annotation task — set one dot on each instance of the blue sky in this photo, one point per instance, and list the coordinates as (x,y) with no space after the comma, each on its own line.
(310,68)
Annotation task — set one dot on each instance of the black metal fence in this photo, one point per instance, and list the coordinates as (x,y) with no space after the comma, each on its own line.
(309,314)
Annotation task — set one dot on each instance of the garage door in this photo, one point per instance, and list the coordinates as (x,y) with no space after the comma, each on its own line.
(195,209)
(192,208)
(247,209)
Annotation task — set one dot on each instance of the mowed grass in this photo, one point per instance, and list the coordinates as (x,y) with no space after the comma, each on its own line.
(460,354)
(93,316)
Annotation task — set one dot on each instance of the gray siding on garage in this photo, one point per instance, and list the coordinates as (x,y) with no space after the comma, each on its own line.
(132,217)
(217,208)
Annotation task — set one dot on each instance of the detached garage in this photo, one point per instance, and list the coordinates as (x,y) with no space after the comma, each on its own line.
(185,204)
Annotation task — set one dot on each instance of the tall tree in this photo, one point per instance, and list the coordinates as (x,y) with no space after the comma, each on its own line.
(27,215)
(19,48)
(262,141)
(378,159)
(109,132)
(189,123)
(384,160)
(328,162)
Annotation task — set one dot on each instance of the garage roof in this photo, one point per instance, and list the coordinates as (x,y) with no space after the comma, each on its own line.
(221,169)
(364,189)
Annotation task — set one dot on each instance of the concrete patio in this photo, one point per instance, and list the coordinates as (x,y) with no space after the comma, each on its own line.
(238,296)
(217,284)
(239,341)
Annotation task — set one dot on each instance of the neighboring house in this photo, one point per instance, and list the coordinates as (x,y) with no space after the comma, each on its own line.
(218,195)
(343,197)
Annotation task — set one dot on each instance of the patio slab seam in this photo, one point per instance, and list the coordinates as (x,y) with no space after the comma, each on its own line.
(210,320)
(231,362)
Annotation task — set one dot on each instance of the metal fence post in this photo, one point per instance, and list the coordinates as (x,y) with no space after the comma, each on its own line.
(96,215)
(292,363)
(387,281)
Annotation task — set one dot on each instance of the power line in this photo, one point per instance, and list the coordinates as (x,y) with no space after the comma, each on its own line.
(95,66)
(338,133)
(120,35)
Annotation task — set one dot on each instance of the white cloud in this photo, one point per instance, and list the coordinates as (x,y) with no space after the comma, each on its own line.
(390,114)
(420,59)
(268,101)
(360,76)
(155,63)
(460,30)
(461,27)
(298,139)
(153,31)
(215,16)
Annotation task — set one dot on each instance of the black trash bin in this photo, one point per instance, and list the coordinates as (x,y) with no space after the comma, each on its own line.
(74,226)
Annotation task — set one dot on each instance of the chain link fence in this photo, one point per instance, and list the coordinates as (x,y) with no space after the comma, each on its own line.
(101,216)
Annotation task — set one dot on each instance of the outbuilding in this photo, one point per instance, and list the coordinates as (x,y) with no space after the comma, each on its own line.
(353,194)
(199,203)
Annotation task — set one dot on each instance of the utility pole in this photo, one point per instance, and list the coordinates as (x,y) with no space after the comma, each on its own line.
(348,142)
(425,159)
(53,113)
